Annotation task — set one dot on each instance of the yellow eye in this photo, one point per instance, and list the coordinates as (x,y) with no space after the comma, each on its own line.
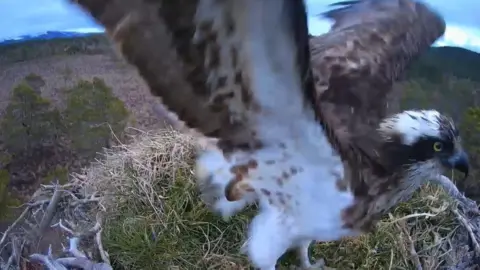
(437,146)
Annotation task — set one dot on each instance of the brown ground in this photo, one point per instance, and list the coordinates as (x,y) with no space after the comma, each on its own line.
(124,80)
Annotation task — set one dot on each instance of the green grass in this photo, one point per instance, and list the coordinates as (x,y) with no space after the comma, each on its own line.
(185,234)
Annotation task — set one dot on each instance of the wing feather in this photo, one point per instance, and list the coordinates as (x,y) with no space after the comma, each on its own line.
(356,63)
(213,63)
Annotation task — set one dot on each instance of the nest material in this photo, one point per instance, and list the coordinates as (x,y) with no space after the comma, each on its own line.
(68,209)
(77,209)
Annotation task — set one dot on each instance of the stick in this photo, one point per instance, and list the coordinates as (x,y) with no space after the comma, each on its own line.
(103,253)
(14,224)
(413,252)
(467,226)
(50,212)
(73,248)
(47,261)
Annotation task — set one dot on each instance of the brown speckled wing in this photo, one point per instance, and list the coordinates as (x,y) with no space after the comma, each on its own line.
(193,62)
(356,63)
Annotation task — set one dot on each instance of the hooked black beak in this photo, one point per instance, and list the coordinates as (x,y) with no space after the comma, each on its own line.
(459,161)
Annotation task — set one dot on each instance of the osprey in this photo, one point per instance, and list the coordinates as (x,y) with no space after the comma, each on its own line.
(301,125)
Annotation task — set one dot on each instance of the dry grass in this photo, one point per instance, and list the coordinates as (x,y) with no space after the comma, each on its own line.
(155,219)
(158,221)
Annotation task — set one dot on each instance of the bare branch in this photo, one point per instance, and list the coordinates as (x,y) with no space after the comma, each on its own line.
(14,225)
(63,227)
(79,259)
(59,203)
(50,212)
(413,252)
(83,263)
(48,261)
(73,248)
(103,253)
(85,201)
(14,256)
(469,228)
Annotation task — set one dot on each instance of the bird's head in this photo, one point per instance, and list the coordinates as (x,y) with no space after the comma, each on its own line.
(424,139)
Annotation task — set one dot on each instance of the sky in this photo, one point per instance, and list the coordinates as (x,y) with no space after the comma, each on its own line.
(20,17)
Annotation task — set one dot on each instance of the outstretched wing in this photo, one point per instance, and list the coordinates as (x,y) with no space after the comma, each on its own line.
(355,64)
(229,69)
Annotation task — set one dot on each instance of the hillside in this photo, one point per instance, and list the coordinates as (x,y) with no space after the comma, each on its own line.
(58,94)
(49,35)
(440,61)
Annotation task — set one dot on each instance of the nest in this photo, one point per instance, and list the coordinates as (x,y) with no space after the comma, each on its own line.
(142,199)
(68,210)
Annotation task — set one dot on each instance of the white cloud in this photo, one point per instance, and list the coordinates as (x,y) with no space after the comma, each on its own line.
(461,36)
(455,34)
(317,27)
(24,18)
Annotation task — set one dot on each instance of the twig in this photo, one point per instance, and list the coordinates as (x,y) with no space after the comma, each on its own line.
(73,248)
(79,259)
(13,256)
(38,203)
(413,252)
(97,229)
(49,262)
(63,227)
(76,201)
(50,213)
(103,253)
(85,201)
(426,215)
(56,186)
(469,229)
(14,224)
(83,263)
(73,200)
